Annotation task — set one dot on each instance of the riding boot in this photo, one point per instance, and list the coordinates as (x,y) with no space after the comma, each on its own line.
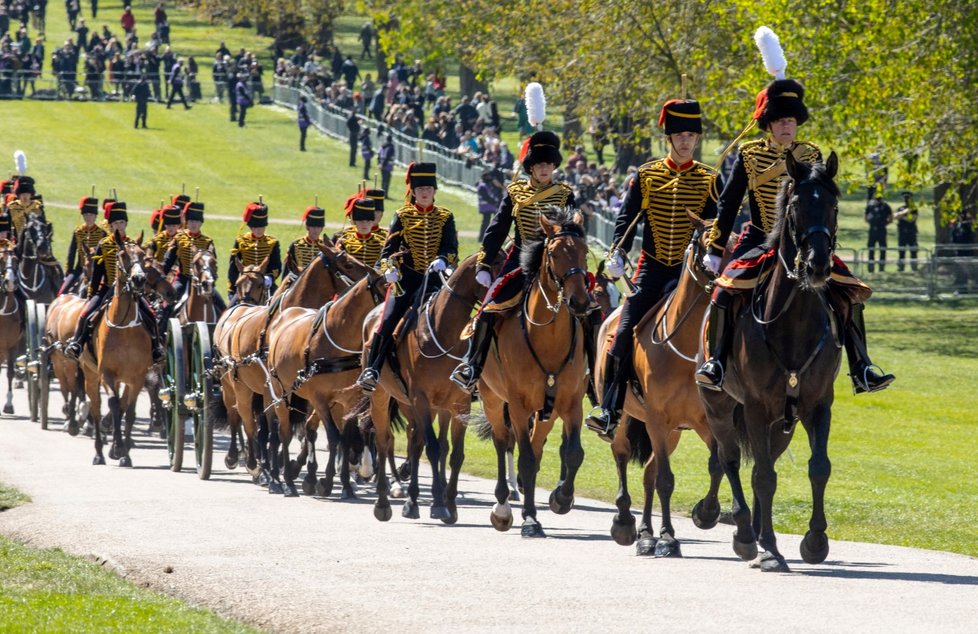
(466,374)
(862,370)
(74,347)
(379,346)
(710,375)
(613,398)
(591,325)
(154,329)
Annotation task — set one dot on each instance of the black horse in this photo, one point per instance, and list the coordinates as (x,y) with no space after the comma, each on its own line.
(785,357)
(39,272)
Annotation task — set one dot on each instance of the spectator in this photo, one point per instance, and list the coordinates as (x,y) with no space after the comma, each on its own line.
(94,9)
(176,85)
(193,78)
(219,72)
(385,160)
(71,6)
(878,215)
(522,120)
(350,72)
(303,120)
(366,151)
(162,24)
(353,132)
(489,194)
(963,233)
(366,37)
(223,50)
(232,83)
(906,217)
(128,20)
(243,96)
(140,94)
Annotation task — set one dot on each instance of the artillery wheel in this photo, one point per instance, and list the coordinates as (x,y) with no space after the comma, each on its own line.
(174,379)
(201,381)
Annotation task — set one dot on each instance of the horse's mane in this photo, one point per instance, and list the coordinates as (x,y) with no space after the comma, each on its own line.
(531,253)
(817,173)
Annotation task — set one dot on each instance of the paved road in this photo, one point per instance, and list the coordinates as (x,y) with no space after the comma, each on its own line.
(321,565)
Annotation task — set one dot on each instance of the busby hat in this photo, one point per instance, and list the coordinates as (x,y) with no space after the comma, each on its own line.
(542,147)
(363,209)
(170,215)
(88,205)
(156,219)
(5,223)
(25,185)
(782,98)
(179,200)
(314,217)
(350,200)
(421,175)
(194,210)
(115,210)
(7,186)
(256,215)
(376,195)
(681,115)
(106,203)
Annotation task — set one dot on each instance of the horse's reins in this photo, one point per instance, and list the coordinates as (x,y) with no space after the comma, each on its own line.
(7,294)
(431,327)
(692,255)
(558,282)
(126,288)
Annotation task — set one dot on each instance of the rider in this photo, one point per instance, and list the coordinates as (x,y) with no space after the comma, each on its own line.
(180,253)
(522,205)
(25,203)
(659,194)
(253,247)
(83,242)
(103,283)
(758,172)
(362,240)
(160,243)
(378,196)
(303,250)
(428,233)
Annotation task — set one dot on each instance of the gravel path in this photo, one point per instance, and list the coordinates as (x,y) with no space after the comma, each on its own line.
(321,565)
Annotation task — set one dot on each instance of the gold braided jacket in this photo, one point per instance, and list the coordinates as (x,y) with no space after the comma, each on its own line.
(87,238)
(526,216)
(108,257)
(251,250)
(159,245)
(18,213)
(302,252)
(422,232)
(666,195)
(186,245)
(759,156)
(365,249)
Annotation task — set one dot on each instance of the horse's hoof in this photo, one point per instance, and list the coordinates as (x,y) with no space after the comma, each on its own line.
(667,546)
(531,529)
(770,562)
(324,488)
(440,513)
(72,428)
(113,454)
(410,510)
(230,462)
(501,517)
(623,532)
(106,425)
(290,491)
(263,479)
(560,504)
(745,550)
(645,545)
(452,516)
(347,494)
(396,492)
(292,470)
(88,430)
(8,409)
(706,514)
(814,547)
(383,513)
(308,487)
(275,487)
(98,460)
(125,461)
(404,471)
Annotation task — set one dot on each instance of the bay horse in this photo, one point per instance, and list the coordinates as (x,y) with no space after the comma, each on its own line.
(39,272)
(314,358)
(61,321)
(12,316)
(428,349)
(241,342)
(664,404)
(782,365)
(523,394)
(199,305)
(120,354)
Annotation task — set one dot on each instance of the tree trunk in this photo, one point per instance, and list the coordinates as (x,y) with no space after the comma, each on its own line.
(469,83)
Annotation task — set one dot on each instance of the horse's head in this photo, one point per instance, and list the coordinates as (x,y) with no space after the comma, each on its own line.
(36,238)
(10,279)
(604,291)
(564,259)
(129,264)
(203,271)
(156,279)
(808,205)
(344,268)
(250,285)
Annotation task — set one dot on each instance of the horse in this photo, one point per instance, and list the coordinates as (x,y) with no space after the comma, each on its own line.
(39,272)
(428,348)
(782,365)
(120,353)
(664,404)
(12,316)
(524,398)
(605,292)
(199,305)
(314,358)
(240,342)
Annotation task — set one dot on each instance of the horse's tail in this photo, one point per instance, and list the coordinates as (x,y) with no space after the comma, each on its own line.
(638,439)
(361,408)
(217,414)
(483,428)
(398,422)
(298,408)
(740,427)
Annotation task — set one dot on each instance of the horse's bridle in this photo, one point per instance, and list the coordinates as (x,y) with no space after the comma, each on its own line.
(799,242)
(559,282)
(330,264)
(198,282)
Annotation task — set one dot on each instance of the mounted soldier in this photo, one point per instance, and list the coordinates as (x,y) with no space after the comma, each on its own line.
(425,239)
(363,241)
(758,172)
(165,230)
(303,250)
(84,240)
(253,247)
(661,193)
(26,203)
(103,279)
(181,252)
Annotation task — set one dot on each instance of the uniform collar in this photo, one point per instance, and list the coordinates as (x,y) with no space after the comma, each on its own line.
(778,147)
(423,209)
(362,236)
(671,164)
(192,234)
(308,241)
(540,186)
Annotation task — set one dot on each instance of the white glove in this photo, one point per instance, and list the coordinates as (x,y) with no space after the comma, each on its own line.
(484,277)
(392,276)
(615,265)
(268,281)
(712,262)
(438,264)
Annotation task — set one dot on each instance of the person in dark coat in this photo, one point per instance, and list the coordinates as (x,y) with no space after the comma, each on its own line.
(353,128)
(176,85)
(140,94)
(878,216)
(304,121)
(242,94)
(385,160)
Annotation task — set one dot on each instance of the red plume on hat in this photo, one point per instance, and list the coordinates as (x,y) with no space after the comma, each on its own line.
(351,200)
(156,219)
(407,176)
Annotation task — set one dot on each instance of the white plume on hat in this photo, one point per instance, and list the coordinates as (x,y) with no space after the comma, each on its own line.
(771,52)
(20,159)
(536,103)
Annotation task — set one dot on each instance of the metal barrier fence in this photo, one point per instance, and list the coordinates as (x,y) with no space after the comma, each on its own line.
(19,85)
(331,120)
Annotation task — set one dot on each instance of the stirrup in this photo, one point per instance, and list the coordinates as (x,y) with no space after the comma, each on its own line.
(603,423)
(72,350)
(863,386)
(706,376)
(368,380)
(464,376)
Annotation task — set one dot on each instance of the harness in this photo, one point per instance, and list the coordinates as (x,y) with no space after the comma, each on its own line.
(692,255)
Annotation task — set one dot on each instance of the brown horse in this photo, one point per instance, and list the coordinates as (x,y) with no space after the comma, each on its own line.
(428,349)
(663,404)
(314,359)
(200,305)
(121,352)
(240,340)
(523,393)
(12,316)
(62,318)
